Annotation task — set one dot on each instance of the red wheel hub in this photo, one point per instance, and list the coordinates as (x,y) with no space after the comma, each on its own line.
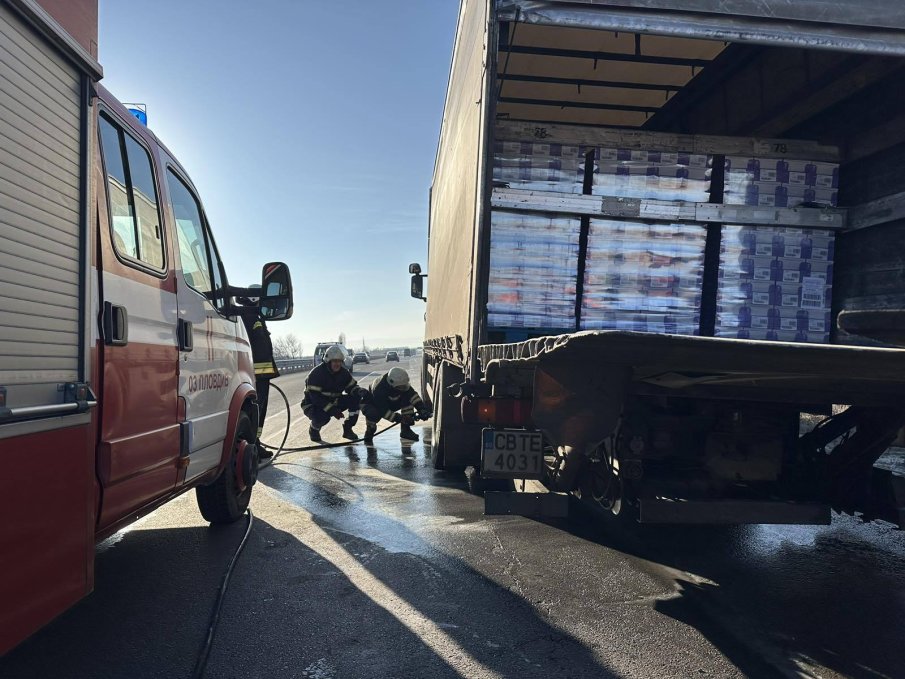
(246,464)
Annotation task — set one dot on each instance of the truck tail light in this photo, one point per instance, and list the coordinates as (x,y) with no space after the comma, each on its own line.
(511,412)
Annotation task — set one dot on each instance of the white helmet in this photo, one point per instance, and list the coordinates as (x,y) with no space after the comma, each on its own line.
(398,378)
(334,353)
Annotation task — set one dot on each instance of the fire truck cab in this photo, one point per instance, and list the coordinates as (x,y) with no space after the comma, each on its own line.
(126,376)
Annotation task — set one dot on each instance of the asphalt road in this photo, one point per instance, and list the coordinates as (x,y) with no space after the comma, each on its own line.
(378,566)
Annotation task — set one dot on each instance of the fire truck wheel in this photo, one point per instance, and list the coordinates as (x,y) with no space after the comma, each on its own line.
(222,501)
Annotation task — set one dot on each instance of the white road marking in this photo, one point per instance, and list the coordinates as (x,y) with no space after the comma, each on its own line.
(369,375)
(423,628)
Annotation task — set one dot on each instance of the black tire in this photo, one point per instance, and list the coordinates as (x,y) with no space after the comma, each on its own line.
(436,430)
(222,502)
(428,401)
(450,435)
(616,512)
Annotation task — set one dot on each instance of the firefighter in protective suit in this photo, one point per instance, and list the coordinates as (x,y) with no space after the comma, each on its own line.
(262,355)
(330,390)
(392,398)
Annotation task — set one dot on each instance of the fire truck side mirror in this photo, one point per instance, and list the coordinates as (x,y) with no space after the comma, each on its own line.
(276,292)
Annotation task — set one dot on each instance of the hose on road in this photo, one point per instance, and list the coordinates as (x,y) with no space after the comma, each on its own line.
(201,662)
(321,446)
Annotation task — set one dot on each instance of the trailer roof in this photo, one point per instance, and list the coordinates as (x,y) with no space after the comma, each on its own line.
(581,75)
(868,13)
(866,26)
(607,63)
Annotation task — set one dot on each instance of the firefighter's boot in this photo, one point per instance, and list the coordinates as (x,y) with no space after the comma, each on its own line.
(370,430)
(314,434)
(348,431)
(406,434)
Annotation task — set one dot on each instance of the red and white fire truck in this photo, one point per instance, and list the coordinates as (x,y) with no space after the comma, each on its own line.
(126,376)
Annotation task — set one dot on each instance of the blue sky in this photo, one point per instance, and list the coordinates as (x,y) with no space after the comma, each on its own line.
(309,128)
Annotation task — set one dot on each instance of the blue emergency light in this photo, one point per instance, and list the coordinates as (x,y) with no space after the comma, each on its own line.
(140,111)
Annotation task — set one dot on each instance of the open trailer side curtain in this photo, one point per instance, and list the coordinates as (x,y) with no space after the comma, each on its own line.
(870,27)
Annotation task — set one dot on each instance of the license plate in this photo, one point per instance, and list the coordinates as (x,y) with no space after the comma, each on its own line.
(512,454)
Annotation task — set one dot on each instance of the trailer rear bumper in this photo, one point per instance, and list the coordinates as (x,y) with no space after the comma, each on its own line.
(729,512)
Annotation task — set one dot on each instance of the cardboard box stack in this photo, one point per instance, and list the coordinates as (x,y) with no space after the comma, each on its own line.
(539,167)
(643,277)
(775,283)
(533,270)
(652,175)
(771,182)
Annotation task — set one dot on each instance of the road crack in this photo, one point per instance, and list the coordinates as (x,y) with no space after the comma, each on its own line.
(512,562)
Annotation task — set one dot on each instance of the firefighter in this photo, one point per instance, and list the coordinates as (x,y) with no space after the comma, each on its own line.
(330,390)
(262,355)
(392,398)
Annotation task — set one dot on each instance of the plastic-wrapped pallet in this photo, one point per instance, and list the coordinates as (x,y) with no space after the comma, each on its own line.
(772,182)
(643,277)
(533,270)
(652,175)
(539,167)
(775,283)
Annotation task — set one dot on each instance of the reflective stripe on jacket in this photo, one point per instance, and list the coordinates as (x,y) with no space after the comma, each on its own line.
(324,388)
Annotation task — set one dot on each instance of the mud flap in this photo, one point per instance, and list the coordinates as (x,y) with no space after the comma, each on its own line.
(577,407)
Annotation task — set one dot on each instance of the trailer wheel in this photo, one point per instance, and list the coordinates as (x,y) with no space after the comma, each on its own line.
(222,501)
(607,496)
(436,429)
(426,397)
(450,436)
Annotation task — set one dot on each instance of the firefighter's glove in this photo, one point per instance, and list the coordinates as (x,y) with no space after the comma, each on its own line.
(396,418)
(337,413)
(425,413)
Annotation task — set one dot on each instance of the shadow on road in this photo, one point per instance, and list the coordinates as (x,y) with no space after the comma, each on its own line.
(147,616)
(815,596)
(782,597)
(314,602)
(485,626)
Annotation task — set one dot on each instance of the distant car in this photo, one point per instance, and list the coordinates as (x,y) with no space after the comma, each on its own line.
(361,358)
(406,352)
(392,356)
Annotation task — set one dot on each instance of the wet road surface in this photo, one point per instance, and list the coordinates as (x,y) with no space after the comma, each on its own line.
(375,565)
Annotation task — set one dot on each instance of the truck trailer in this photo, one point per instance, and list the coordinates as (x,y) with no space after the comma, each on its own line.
(666,263)
(126,375)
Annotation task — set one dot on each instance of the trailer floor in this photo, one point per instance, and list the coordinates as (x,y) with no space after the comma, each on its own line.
(381,567)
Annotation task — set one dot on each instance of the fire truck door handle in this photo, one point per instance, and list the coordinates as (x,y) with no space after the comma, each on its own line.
(116,325)
(184,330)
